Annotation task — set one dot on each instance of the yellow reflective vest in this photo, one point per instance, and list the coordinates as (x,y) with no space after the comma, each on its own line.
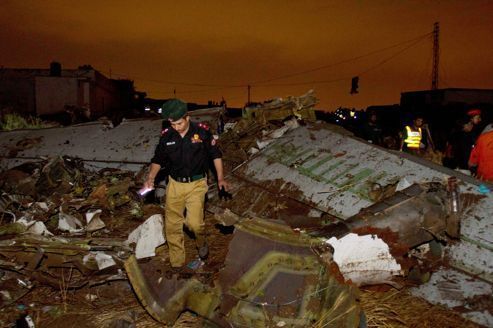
(413,138)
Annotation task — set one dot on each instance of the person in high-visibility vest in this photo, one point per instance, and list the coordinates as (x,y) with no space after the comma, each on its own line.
(412,137)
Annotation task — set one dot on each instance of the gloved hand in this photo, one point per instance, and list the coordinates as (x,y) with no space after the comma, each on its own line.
(223,194)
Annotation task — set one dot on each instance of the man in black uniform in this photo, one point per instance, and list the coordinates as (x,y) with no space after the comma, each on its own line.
(186,149)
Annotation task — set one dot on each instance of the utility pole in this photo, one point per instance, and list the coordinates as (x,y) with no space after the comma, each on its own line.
(249,87)
(436,56)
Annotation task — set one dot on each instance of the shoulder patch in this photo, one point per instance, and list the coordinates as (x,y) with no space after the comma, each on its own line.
(163,132)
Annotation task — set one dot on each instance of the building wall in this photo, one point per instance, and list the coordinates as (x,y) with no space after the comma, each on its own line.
(469,97)
(17,91)
(445,97)
(106,97)
(53,94)
(35,92)
(84,94)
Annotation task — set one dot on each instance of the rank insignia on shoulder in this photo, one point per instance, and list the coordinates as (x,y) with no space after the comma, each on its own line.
(163,132)
(196,138)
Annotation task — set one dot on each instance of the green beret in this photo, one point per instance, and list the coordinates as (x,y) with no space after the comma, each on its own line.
(174,109)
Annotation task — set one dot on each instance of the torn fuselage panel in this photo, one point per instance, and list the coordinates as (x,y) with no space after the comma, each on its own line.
(271,276)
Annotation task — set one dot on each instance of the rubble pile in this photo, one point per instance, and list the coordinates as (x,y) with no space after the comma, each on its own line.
(57,215)
(309,236)
(246,138)
(302,107)
(280,239)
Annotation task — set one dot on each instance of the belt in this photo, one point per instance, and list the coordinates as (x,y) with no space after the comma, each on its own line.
(189,179)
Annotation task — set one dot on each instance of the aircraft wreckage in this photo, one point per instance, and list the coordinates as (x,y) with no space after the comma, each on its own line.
(314,214)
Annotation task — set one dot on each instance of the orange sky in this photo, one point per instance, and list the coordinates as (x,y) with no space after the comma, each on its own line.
(212,49)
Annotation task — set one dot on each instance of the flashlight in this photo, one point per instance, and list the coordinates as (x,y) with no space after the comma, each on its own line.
(143,191)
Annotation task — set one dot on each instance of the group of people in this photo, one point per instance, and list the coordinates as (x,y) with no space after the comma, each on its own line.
(469,145)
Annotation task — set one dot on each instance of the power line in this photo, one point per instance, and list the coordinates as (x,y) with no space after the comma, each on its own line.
(389,58)
(302,83)
(256,83)
(349,77)
(344,61)
(207,90)
(416,41)
(423,74)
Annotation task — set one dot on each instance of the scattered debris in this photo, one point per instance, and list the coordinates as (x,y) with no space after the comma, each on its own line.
(148,236)
(67,222)
(302,107)
(364,260)
(279,255)
(93,220)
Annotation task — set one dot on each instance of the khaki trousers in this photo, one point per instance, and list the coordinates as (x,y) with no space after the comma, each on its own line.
(189,195)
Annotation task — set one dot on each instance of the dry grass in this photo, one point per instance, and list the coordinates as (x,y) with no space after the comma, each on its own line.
(64,283)
(141,318)
(400,309)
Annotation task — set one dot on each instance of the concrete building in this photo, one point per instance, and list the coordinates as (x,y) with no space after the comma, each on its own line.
(55,90)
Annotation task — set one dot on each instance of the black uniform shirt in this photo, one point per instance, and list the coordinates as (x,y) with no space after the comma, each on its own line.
(187,156)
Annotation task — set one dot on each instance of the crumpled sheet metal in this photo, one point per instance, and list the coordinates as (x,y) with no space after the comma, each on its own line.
(272,277)
(410,217)
(281,108)
(130,145)
(337,174)
(455,289)
(414,215)
(417,214)
(332,170)
(265,258)
(37,256)
(165,299)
